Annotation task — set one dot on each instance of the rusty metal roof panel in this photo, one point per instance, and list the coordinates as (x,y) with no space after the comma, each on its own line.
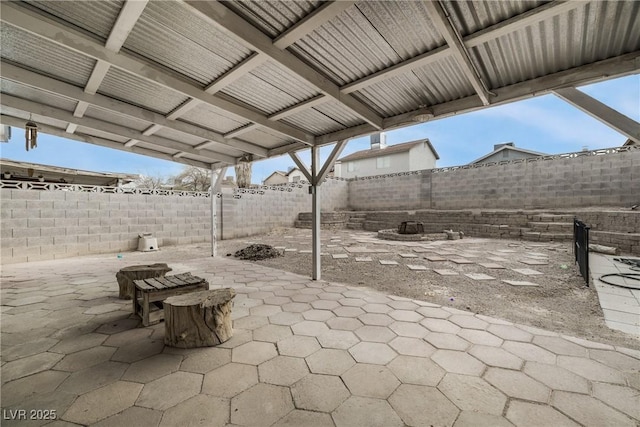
(273,17)
(314,122)
(138,91)
(213,118)
(578,37)
(46,57)
(26,92)
(168,33)
(96,17)
(113,117)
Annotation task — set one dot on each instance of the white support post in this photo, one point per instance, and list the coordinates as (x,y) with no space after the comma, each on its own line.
(217,175)
(315,213)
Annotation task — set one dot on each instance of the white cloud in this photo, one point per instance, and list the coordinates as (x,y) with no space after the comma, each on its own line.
(568,127)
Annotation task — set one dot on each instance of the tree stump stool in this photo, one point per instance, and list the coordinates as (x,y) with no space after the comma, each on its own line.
(127,275)
(198,319)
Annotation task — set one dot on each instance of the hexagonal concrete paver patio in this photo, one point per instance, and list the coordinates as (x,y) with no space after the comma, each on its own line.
(303,353)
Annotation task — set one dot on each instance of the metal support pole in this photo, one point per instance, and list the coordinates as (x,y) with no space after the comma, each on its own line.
(315,212)
(216,179)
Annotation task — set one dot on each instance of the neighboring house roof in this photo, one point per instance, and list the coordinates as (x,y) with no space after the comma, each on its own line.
(391,149)
(629,142)
(511,148)
(291,171)
(282,174)
(25,171)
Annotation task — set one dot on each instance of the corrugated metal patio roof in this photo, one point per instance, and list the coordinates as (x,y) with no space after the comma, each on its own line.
(205,83)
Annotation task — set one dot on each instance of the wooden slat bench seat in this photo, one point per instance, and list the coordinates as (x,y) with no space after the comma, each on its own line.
(149,294)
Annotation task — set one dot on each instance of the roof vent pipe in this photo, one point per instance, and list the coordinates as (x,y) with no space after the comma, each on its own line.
(378,141)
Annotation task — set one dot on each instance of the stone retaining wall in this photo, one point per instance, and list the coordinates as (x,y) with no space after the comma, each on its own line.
(608,227)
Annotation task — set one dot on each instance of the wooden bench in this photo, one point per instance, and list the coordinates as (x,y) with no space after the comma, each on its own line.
(149,294)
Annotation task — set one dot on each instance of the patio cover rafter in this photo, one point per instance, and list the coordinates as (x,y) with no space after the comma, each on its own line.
(94,140)
(131,11)
(56,33)
(25,106)
(442,22)
(254,39)
(38,81)
(599,111)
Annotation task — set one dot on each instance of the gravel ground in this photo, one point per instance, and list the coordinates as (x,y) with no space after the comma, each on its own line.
(562,303)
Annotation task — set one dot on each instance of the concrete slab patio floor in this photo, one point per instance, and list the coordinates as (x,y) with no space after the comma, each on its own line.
(304,353)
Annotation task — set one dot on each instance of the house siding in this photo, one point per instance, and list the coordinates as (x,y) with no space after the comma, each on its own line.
(417,158)
(420,158)
(275,179)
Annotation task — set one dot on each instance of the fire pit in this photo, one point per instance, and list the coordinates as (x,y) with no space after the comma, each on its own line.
(409,231)
(411,227)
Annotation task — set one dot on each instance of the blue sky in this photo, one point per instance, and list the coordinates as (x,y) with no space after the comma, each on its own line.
(546,124)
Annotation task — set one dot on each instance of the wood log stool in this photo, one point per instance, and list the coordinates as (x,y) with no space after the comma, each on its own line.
(149,294)
(198,319)
(127,275)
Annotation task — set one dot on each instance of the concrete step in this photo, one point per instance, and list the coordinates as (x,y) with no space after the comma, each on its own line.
(358,219)
(556,227)
(325,217)
(323,226)
(355,225)
(550,218)
(546,237)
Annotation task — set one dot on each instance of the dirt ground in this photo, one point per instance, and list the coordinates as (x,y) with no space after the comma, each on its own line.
(562,303)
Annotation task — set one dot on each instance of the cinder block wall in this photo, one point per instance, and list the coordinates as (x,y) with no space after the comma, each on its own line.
(42,224)
(586,180)
(254,213)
